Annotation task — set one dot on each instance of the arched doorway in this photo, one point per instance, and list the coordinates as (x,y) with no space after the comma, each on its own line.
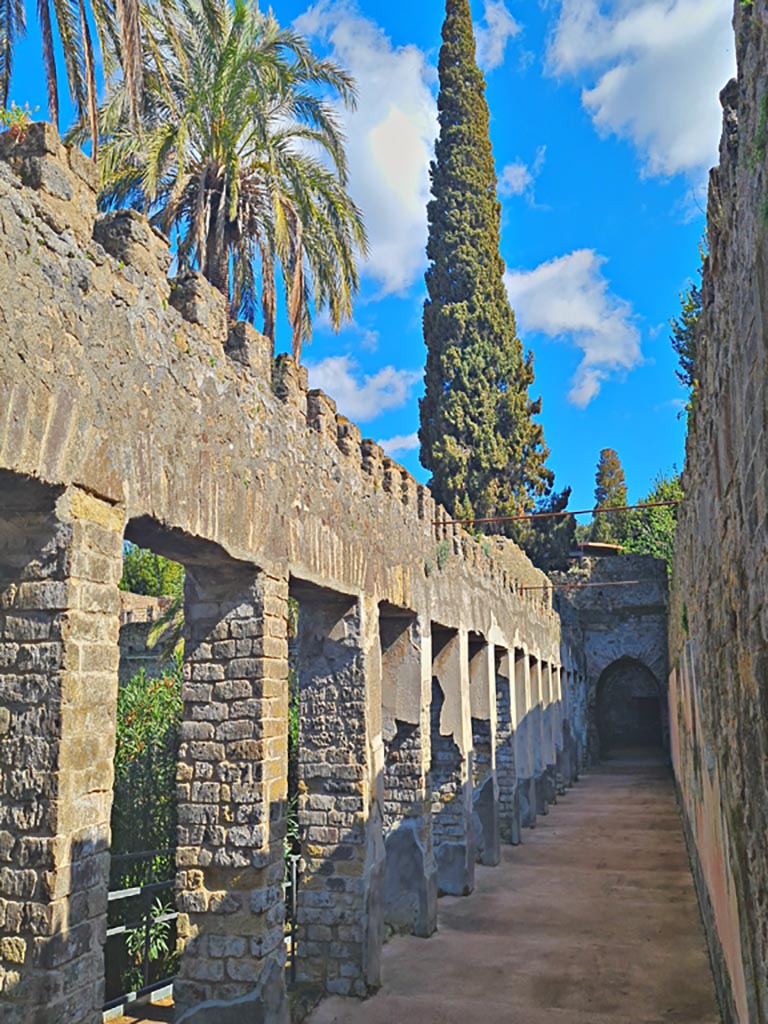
(628,707)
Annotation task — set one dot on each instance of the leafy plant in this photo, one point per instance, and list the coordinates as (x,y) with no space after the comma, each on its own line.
(144,572)
(293,734)
(685,333)
(16,120)
(144,814)
(651,531)
(163,961)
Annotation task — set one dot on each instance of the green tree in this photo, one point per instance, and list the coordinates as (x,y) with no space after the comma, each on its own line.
(241,158)
(144,572)
(684,334)
(68,22)
(651,531)
(610,492)
(477,430)
(549,542)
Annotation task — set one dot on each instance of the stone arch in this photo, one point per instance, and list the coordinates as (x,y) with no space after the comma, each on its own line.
(629,706)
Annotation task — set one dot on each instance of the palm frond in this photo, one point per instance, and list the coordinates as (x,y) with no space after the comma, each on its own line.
(12,28)
(232,106)
(49,59)
(129,30)
(89,67)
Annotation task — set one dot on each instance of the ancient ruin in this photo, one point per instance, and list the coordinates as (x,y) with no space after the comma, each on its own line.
(446,702)
(719,606)
(435,688)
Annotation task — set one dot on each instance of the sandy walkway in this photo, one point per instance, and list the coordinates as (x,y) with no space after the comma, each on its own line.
(592,921)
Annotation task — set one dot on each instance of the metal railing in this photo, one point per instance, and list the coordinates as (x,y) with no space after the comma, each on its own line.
(291,896)
(144,918)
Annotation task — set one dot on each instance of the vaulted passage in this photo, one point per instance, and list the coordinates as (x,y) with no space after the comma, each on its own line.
(628,707)
(593,920)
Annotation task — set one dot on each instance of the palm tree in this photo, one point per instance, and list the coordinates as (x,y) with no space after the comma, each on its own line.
(241,160)
(119,36)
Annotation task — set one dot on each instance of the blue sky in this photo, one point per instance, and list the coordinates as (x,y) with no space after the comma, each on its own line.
(604,121)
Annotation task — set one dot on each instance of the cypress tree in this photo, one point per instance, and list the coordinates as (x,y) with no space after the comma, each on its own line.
(610,492)
(478,436)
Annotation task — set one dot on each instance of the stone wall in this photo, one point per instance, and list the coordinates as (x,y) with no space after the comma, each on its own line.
(60,563)
(614,628)
(145,644)
(130,408)
(719,610)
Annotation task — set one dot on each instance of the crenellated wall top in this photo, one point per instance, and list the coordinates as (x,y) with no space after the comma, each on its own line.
(135,387)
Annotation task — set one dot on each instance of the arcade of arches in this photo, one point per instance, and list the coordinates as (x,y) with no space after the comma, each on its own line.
(266,494)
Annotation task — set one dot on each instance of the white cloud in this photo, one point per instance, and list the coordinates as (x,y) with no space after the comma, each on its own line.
(402,443)
(515,179)
(390,137)
(569,298)
(362,397)
(493,34)
(519,178)
(655,69)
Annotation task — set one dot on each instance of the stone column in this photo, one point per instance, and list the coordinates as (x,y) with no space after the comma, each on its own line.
(341,909)
(539,746)
(569,758)
(60,565)
(525,740)
(506,763)
(485,788)
(549,733)
(559,727)
(410,884)
(450,768)
(232,792)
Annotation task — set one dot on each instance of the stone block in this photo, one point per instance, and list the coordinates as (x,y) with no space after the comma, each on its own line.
(128,237)
(321,414)
(290,383)
(250,349)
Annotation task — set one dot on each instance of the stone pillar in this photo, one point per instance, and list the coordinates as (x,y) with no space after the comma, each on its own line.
(341,909)
(232,792)
(506,762)
(60,564)
(485,788)
(525,740)
(539,747)
(569,760)
(549,733)
(450,768)
(559,728)
(410,884)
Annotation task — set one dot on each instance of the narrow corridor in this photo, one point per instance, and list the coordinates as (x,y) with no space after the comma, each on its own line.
(592,921)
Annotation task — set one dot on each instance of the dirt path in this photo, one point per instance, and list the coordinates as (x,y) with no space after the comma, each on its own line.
(592,921)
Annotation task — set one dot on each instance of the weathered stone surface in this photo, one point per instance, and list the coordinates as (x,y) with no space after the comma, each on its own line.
(58,687)
(617,627)
(129,399)
(127,237)
(719,607)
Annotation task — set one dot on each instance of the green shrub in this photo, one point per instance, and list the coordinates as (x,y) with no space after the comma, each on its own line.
(144,815)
